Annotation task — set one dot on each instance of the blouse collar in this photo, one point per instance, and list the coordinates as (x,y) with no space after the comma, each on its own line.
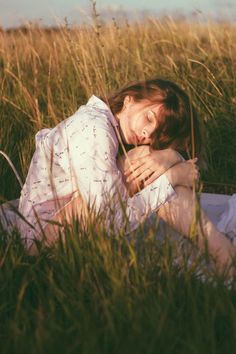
(101,105)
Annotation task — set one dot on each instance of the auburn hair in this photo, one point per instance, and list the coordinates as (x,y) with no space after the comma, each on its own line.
(178,123)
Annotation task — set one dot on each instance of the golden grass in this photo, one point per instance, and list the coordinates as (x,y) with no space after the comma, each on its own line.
(47,73)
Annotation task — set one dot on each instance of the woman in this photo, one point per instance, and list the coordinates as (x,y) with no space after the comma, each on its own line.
(76,161)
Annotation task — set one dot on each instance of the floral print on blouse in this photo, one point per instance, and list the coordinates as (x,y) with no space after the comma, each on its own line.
(80,154)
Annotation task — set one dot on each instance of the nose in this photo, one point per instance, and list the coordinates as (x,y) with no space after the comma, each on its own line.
(147,132)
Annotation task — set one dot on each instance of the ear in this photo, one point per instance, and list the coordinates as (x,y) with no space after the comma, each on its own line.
(127,101)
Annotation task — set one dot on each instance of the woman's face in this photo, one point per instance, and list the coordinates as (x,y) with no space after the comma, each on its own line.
(138,121)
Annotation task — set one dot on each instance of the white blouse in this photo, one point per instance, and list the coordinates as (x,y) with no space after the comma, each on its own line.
(80,154)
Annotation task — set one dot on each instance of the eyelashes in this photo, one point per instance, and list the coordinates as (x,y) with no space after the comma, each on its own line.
(150,116)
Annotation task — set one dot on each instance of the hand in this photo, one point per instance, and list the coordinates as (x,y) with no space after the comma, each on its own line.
(153,164)
(184,173)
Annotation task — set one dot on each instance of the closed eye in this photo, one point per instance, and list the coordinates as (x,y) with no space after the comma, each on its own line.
(150,116)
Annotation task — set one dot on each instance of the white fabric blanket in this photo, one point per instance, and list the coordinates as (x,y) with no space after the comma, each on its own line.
(221,209)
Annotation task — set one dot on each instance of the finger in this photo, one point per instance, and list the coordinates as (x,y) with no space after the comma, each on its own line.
(138,172)
(145,175)
(150,171)
(133,166)
(193,160)
(141,159)
(152,178)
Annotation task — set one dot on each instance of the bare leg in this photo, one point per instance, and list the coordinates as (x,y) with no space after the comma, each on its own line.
(179,213)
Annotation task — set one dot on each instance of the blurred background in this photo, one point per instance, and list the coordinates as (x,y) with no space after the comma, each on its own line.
(53,12)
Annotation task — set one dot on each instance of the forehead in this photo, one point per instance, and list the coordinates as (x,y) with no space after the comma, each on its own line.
(150,106)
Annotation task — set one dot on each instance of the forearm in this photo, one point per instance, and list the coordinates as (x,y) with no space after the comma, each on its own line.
(166,160)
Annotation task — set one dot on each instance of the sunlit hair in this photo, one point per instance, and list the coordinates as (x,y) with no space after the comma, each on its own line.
(178,123)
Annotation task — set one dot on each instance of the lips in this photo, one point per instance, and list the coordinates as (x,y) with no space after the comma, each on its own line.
(139,140)
(136,140)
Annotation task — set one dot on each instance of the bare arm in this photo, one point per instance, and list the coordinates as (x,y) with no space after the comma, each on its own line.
(142,165)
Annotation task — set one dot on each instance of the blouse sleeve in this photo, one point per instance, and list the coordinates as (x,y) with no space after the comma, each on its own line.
(92,157)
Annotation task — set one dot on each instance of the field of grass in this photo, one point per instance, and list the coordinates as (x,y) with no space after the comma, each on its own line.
(99,294)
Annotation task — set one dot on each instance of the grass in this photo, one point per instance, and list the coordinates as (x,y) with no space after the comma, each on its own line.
(47,74)
(100,294)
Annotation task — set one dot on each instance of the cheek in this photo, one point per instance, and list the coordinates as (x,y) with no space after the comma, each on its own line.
(129,122)
(138,124)
(124,122)
(142,125)
(125,125)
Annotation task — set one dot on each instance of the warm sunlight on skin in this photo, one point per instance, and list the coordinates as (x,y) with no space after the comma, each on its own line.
(138,121)
(142,165)
(182,175)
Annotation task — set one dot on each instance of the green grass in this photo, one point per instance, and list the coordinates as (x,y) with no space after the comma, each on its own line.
(100,294)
